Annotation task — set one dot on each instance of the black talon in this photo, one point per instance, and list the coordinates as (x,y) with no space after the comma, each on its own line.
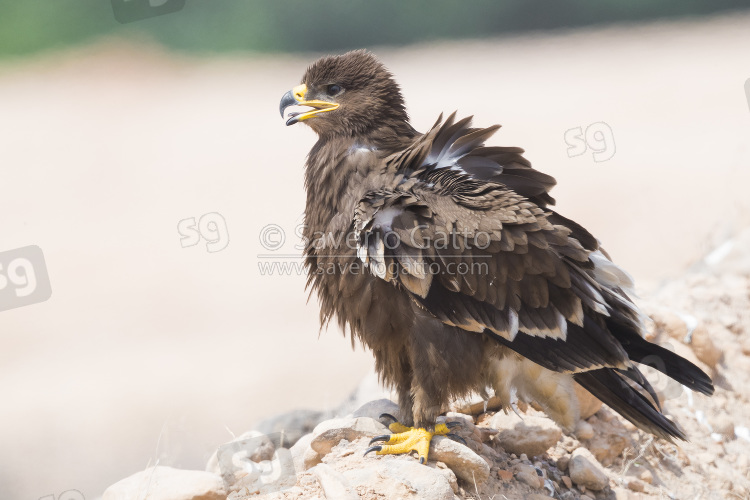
(457,438)
(372,448)
(388,415)
(421,460)
(384,437)
(451,425)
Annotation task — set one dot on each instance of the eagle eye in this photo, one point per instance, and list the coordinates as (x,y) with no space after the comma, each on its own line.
(334,89)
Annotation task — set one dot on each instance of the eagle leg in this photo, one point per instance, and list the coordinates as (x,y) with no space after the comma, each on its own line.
(406,439)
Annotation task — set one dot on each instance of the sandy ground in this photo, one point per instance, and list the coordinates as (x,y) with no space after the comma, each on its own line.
(105,149)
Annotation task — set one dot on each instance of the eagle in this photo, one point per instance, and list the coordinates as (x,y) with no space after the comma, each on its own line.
(444,257)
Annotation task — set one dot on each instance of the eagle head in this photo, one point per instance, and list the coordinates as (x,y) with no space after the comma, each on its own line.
(349,94)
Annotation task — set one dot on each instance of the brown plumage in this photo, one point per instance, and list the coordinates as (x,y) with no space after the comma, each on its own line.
(443,256)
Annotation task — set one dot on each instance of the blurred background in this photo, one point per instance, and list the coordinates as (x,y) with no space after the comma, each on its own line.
(144,155)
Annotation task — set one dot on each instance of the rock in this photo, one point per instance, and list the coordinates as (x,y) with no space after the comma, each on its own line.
(646,476)
(303,455)
(567,481)
(310,458)
(584,430)
(399,477)
(166,483)
(292,425)
(562,463)
(669,323)
(505,475)
(723,425)
(374,409)
(527,475)
(533,435)
(329,433)
(334,484)
(250,464)
(704,348)
(588,404)
(636,485)
(489,452)
(626,494)
(485,433)
(586,471)
(466,421)
(467,465)
(745,347)
(449,475)
(466,430)
(536,496)
(256,446)
(610,439)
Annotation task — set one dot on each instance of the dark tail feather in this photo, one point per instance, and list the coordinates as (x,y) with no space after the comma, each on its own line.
(642,351)
(612,389)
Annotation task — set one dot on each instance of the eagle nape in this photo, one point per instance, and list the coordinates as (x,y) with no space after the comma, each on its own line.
(444,256)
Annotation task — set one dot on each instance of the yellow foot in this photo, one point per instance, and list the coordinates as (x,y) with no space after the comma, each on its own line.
(407,439)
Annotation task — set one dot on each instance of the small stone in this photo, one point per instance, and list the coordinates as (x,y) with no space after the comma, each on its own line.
(722,424)
(646,476)
(562,463)
(584,430)
(567,481)
(486,433)
(704,348)
(745,347)
(531,436)
(489,451)
(527,475)
(166,483)
(609,441)
(586,471)
(636,485)
(467,465)
(505,475)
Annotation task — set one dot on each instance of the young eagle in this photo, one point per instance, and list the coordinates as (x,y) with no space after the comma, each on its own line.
(444,257)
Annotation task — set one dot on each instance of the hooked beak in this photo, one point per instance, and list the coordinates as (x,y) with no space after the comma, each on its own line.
(296,97)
